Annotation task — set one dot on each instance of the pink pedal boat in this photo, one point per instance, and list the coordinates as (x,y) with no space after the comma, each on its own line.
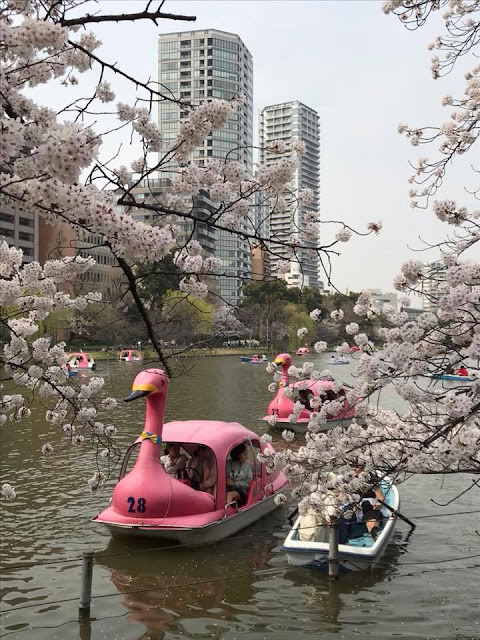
(80,360)
(282,407)
(130,355)
(303,351)
(148,502)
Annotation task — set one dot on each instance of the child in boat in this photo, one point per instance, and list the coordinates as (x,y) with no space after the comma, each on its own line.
(239,475)
(174,463)
(201,470)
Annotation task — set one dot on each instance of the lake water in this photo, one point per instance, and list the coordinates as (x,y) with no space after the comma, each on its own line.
(245,588)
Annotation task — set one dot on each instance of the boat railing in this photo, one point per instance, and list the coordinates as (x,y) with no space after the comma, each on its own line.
(270,484)
(229,504)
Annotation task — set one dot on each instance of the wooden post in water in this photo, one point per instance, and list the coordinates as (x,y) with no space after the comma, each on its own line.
(333,548)
(86,588)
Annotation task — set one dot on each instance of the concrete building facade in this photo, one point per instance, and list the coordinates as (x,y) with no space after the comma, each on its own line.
(20,229)
(289,121)
(431,286)
(196,66)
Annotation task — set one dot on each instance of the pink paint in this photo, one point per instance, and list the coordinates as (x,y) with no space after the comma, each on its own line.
(149,496)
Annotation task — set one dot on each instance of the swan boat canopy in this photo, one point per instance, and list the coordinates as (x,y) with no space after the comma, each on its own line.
(282,406)
(359,553)
(147,501)
(80,360)
(130,355)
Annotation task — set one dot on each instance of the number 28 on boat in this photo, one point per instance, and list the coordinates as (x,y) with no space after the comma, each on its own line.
(149,502)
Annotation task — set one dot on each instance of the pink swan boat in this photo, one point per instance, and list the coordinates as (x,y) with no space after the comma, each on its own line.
(130,355)
(80,360)
(282,407)
(149,502)
(303,351)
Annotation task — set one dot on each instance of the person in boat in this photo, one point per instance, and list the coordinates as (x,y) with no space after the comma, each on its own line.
(201,470)
(304,396)
(342,358)
(239,475)
(174,463)
(255,358)
(69,368)
(370,501)
(332,358)
(449,371)
(462,371)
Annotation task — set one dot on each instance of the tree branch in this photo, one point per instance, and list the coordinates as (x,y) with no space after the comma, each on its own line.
(123,17)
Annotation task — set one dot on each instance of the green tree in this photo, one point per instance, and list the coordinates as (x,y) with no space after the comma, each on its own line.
(298,317)
(156,278)
(185,317)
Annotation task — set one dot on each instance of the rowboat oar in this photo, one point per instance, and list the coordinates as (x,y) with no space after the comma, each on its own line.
(397,513)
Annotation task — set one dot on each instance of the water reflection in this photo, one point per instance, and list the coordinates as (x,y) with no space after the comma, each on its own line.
(286,598)
(53,513)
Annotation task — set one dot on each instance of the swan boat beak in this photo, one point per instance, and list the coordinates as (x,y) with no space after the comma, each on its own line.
(140,391)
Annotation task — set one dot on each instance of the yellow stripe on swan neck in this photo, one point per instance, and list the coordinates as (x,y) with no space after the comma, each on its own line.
(144,387)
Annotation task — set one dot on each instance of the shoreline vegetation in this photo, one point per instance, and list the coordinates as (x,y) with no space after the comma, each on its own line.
(149,354)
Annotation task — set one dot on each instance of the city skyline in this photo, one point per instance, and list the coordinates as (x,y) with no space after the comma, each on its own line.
(362,85)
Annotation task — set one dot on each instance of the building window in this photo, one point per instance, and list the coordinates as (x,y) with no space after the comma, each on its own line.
(7,217)
(8,233)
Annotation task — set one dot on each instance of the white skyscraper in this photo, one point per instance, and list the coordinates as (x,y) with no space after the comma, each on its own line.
(289,121)
(196,66)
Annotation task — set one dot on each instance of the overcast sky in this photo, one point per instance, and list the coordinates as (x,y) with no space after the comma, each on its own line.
(364,73)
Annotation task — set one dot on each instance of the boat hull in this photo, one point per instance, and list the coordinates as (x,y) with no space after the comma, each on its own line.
(302,427)
(206,534)
(314,555)
(452,378)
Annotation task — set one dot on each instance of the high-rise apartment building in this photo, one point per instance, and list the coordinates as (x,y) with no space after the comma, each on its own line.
(290,121)
(196,66)
(432,285)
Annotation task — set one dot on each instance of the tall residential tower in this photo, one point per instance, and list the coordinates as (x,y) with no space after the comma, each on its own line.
(289,121)
(196,66)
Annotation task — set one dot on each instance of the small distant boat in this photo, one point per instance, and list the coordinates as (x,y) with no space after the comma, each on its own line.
(80,360)
(339,362)
(303,351)
(252,359)
(452,377)
(354,348)
(147,502)
(282,406)
(72,374)
(358,554)
(130,355)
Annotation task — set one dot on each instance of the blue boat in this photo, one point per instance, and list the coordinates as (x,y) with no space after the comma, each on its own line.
(72,374)
(452,377)
(358,554)
(250,360)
